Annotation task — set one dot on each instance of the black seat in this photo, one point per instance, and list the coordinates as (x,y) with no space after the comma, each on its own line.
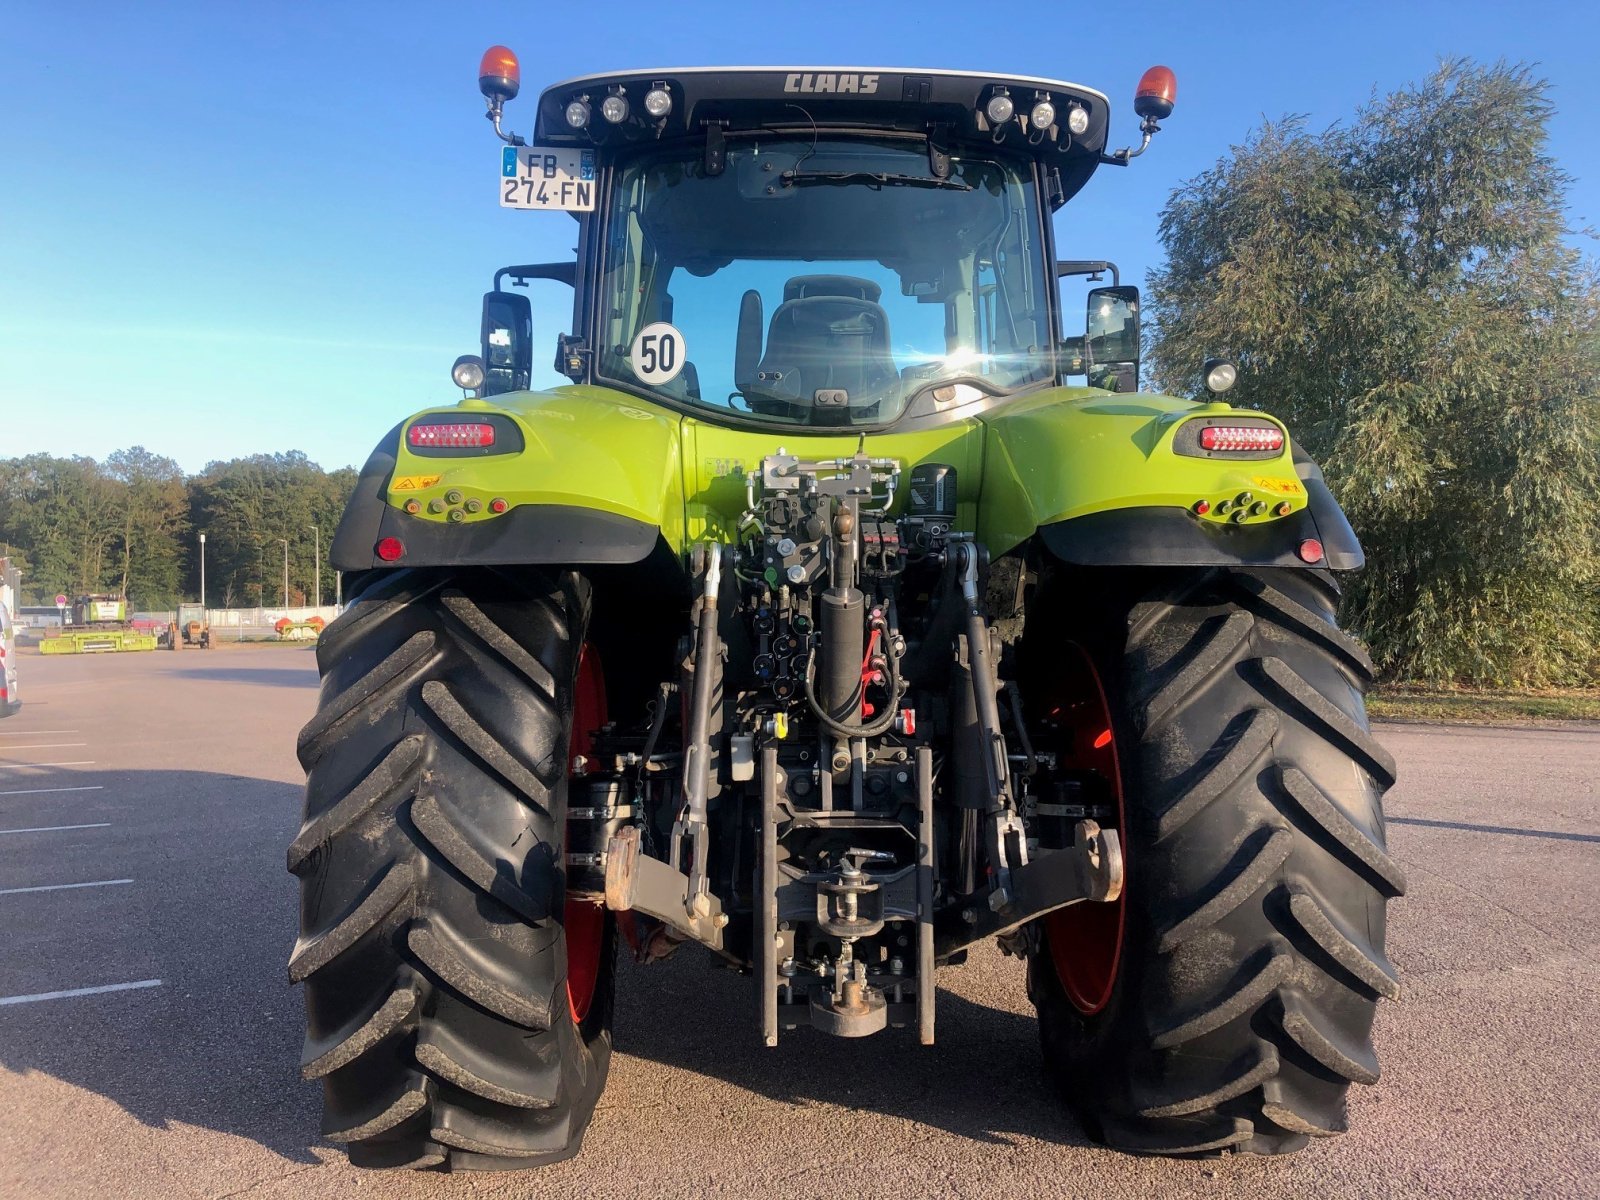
(827,345)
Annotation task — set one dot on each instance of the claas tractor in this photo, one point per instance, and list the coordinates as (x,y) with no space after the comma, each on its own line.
(190,627)
(817,616)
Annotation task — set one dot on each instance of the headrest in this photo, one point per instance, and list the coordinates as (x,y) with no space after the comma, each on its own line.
(853,286)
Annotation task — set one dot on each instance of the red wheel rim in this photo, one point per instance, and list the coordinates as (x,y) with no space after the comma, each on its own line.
(1086,939)
(585,921)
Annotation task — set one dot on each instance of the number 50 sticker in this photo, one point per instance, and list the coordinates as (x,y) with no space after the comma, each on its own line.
(658,353)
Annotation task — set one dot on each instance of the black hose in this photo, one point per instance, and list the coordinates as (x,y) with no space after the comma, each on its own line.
(879,725)
(663,701)
(1022,730)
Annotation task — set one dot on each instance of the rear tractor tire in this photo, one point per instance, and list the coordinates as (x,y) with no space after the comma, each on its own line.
(458,1011)
(1242,976)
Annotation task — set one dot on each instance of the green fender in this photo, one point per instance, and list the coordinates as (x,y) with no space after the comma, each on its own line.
(597,479)
(1096,475)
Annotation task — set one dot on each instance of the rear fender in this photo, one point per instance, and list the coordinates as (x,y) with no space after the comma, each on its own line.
(588,476)
(1097,477)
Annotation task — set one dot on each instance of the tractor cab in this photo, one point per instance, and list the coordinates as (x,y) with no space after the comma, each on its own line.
(778,247)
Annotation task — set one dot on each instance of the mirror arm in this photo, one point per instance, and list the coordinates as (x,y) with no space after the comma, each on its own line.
(1088,266)
(1120,158)
(560,272)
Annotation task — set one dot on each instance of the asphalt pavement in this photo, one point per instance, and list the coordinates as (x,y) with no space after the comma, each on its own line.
(149,1039)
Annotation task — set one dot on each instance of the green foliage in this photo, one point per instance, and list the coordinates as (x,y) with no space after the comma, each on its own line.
(129,525)
(1401,291)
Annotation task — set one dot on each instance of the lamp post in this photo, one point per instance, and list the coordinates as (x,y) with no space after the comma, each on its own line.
(202,570)
(285,542)
(317,533)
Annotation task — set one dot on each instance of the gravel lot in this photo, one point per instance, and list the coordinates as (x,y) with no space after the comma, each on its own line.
(168,782)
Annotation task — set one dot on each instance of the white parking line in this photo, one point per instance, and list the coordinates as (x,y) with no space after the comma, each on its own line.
(78,762)
(45,791)
(61,887)
(58,828)
(50,746)
(88,991)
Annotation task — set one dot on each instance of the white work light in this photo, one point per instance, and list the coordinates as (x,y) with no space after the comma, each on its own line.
(658,102)
(468,372)
(1220,375)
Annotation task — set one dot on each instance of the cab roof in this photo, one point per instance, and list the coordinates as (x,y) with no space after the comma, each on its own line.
(949,105)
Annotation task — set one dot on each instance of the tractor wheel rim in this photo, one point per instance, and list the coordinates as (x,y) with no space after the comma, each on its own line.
(584,922)
(1085,940)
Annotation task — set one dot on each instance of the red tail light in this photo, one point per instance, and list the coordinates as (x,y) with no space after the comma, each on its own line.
(455,435)
(1224,438)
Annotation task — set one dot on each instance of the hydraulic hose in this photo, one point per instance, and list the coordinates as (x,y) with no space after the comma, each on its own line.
(878,725)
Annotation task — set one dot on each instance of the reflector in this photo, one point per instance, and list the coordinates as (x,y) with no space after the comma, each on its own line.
(390,549)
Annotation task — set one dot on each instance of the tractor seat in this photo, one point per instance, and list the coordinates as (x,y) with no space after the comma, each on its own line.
(826,344)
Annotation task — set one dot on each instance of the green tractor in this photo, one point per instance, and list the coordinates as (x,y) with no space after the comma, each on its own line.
(817,620)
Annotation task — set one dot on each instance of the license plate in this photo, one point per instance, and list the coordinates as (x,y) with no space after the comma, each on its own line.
(544,177)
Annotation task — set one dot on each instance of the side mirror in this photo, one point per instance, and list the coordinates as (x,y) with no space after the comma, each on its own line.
(1112,338)
(507,342)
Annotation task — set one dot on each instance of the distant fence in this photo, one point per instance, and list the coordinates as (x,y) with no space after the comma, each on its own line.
(244,624)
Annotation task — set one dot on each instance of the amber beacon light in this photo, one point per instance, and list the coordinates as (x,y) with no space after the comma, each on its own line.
(500,75)
(1154,97)
(500,79)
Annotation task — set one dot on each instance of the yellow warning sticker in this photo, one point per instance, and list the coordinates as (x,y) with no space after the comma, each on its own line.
(1284,487)
(414,483)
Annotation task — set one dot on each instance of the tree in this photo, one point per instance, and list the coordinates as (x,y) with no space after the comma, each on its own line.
(1400,290)
(153,505)
(127,525)
(246,504)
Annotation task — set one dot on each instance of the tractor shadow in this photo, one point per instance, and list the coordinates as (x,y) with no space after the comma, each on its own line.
(291,677)
(217,1045)
(983,1080)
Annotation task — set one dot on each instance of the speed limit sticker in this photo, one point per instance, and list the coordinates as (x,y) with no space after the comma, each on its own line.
(658,353)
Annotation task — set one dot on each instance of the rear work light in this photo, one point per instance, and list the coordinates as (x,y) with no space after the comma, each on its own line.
(456,435)
(1224,438)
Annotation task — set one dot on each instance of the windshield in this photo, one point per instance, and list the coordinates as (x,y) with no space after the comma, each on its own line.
(823,281)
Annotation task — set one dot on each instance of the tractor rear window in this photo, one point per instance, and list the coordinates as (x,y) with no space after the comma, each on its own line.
(822,282)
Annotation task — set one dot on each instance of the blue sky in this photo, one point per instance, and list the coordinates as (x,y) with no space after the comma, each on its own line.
(232,228)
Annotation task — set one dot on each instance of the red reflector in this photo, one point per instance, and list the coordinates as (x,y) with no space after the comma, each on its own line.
(1240,437)
(455,435)
(1311,550)
(390,549)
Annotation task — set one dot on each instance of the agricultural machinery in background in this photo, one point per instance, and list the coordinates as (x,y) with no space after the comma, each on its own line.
(98,624)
